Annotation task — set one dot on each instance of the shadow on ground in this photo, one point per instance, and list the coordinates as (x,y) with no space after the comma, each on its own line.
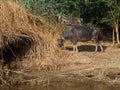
(82,48)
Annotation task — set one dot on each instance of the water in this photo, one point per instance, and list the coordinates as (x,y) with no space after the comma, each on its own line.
(65,86)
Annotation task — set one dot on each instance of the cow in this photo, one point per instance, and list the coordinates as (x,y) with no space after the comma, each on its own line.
(75,33)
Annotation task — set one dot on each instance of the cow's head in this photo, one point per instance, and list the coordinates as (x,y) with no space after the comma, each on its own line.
(60,42)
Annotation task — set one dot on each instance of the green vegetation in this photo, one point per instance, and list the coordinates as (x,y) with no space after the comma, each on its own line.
(101,13)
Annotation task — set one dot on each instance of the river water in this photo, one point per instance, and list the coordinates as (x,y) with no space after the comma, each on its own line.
(64,86)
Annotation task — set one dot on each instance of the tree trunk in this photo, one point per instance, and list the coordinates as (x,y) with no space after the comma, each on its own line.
(113,36)
(116,30)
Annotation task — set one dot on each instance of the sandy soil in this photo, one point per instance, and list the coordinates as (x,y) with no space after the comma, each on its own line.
(86,64)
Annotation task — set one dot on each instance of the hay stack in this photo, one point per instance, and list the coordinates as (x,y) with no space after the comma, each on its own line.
(17,36)
(25,40)
(28,39)
(27,43)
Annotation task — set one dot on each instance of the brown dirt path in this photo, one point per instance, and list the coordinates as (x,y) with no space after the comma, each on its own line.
(101,66)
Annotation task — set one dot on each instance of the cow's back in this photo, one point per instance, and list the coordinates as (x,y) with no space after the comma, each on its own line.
(82,33)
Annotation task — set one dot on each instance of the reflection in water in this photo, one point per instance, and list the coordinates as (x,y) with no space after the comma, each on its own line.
(65,86)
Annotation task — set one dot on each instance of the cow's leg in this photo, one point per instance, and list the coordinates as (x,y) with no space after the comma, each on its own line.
(75,48)
(96,47)
(101,47)
(98,44)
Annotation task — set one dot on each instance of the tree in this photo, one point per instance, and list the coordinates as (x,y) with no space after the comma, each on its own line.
(113,16)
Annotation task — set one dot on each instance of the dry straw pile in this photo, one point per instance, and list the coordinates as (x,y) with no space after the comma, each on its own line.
(19,37)
(27,43)
(16,34)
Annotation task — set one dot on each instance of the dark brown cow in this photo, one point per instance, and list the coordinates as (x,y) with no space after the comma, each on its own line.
(76,33)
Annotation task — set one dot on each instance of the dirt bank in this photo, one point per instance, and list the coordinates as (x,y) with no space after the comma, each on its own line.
(85,65)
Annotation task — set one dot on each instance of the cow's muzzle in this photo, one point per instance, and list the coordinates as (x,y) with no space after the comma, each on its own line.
(60,45)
